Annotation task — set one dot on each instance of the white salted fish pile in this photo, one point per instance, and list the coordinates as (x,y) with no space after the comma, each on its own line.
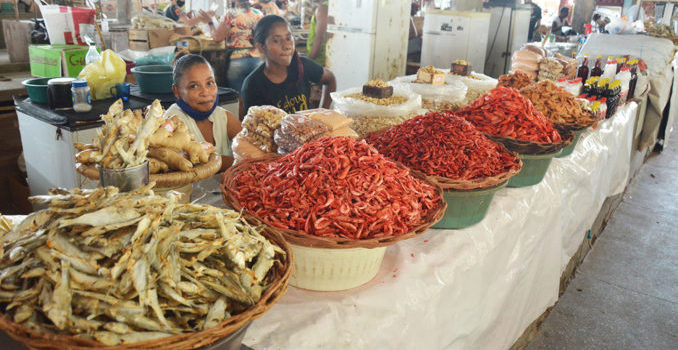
(129,267)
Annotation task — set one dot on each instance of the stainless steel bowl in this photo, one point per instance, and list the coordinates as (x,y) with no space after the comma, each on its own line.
(126,179)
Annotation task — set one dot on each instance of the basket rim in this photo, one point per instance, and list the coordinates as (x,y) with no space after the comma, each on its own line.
(280,274)
(201,172)
(529,147)
(308,240)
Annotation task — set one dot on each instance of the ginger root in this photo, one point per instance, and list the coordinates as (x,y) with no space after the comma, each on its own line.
(173,134)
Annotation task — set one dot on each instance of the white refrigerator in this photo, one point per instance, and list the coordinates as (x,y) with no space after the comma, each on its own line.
(454,35)
(508,32)
(367,40)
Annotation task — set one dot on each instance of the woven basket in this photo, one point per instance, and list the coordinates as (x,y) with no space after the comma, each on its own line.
(529,147)
(278,278)
(173,179)
(228,188)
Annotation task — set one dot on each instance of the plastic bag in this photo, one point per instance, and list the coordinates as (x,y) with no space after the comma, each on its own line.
(269,115)
(256,125)
(159,55)
(103,74)
(475,81)
(285,143)
(333,119)
(434,97)
(68,25)
(345,131)
(302,128)
(244,149)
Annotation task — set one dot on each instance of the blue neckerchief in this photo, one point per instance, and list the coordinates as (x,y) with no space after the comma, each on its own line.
(196,115)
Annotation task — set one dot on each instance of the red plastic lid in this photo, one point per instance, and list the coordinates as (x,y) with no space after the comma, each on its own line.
(625,68)
(604,99)
(562,80)
(577,81)
(612,62)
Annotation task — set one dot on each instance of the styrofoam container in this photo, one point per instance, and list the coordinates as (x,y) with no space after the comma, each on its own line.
(324,269)
(184,192)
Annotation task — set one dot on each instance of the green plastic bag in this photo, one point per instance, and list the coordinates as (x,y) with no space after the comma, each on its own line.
(103,74)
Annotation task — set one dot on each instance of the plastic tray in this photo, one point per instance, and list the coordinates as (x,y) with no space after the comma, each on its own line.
(466,208)
(534,169)
(324,269)
(569,149)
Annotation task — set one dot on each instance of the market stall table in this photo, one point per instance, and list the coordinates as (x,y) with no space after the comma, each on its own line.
(476,288)
(47,136)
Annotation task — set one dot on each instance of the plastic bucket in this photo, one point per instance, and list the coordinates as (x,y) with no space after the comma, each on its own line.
(466,208)
(534,169)
(569,149)
(323,269)
(37,89)
(127,179)
(154,79)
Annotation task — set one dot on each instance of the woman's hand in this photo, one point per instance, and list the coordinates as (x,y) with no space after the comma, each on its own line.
(329,83)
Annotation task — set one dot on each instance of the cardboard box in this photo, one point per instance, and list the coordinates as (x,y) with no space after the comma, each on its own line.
(146,39)
(49,61)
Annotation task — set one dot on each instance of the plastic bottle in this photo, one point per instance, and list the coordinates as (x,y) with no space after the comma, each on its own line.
(574,87)
(81,97)
(574,54)
(634,79)
(610,70)
(603,108)
(624,77)
(583,71)
(597,71)
(92,55)
(621,62)
(562,82)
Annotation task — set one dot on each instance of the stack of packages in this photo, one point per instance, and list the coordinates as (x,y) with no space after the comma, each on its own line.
(267,130)
(550,68)
(569,65)
(527,59)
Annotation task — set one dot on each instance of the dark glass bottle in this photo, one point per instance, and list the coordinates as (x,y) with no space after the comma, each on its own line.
(597,71)
(583,71)
(634,78)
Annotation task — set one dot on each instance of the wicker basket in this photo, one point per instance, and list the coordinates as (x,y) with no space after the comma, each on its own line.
(167,180)
(529,147)
(228,187)
(278,277)
(475,184)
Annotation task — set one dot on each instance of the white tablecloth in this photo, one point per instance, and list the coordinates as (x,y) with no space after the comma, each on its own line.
(476,288)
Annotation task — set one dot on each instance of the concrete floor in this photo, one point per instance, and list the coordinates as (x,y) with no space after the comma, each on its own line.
(625,293)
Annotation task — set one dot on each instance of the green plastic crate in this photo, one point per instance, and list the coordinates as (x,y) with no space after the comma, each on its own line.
(534,169)
(569,149)
(466,208)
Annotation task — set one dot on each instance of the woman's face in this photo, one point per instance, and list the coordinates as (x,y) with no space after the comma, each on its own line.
(197,88)
(279,46)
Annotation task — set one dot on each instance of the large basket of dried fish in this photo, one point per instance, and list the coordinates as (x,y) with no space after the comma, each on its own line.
(558,106)
(134,270)
(127,140)
(339,203)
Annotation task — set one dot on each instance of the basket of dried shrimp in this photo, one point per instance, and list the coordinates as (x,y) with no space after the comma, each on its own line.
(339,203)
(102,269)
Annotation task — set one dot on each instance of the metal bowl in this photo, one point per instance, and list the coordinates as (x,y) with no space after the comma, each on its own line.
(126,179)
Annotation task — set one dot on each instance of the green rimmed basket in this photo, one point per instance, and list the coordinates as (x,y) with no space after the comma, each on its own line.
(569,149)
(534,169)
(466,208)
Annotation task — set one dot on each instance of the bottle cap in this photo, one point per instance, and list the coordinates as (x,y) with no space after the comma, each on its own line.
(582,96)
(625,68)
(562,80)
(603,100)
(578,80)
(586,55)
(612,62)
(599,56)
(609,58)
(79,83)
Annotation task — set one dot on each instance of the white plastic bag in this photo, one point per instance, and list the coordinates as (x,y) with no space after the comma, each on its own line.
(434,97)
(369,117)
(68,25)
(475,81)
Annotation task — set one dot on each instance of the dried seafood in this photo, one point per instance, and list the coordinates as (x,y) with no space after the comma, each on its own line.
(129,267)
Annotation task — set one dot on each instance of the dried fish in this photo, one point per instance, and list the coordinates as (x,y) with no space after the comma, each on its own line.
(128,267)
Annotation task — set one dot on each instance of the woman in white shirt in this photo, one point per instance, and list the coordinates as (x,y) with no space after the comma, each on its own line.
(198,106)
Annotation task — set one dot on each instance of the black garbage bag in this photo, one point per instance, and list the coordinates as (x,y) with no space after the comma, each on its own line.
(39,34)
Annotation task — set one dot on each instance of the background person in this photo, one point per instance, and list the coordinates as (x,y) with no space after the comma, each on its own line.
(198,106)
(285,78)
